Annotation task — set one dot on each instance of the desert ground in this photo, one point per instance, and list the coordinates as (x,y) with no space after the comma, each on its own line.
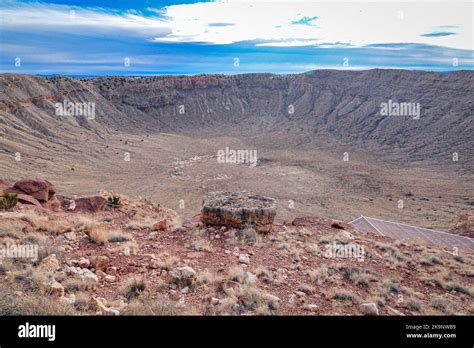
(176,170)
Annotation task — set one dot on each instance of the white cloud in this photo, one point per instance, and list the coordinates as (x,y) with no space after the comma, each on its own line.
(270,23)
(354,23)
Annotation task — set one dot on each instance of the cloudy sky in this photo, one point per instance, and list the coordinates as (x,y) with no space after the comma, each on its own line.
(126,37)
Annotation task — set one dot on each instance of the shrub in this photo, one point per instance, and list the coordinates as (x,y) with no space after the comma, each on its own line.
(236,274)
(343,295)
(133,287)
(114,202)
(118,236)
(8,201)
(320,275)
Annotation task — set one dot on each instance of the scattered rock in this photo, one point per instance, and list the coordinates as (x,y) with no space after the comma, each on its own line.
(84,274)
(311,307)
(71,299)
(152,235)
(108,219)
(110,278)
(369,309)
(162,225)
(70,236)
(101,262)
(54,288)
(49,264)
(83,262)
(183,276)
(92,204)
(250,278)
(100,305)
(244,258)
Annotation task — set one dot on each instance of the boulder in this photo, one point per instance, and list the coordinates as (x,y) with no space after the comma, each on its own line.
(49,264)
(100,262)
(83,274)
(23,197)
(369,309)
(239,210)
(42,190)
(100,304)
(53,288)
(244,258)
(3,185)
(183,276)
(53,204)
(92,204)
(162,225)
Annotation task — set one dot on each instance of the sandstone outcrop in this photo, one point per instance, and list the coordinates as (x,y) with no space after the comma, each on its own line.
(239,210)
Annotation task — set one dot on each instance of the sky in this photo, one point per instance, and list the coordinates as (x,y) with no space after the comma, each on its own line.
(147,37)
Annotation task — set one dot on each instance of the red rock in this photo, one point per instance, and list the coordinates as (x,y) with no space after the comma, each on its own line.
(162,225)
(90,204)
(239,210)
(304,221)
(24,198)
(53,204)
(40,189)
(3,185)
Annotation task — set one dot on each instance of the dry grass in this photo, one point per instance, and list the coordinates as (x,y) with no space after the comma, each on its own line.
(205,278)
(356,275)
(75,285)
(32,303)
(85,225)
(320,275)
(30,279)
(167,261)
(140,225)
(263,274)
(414,305)
(245,235)
(98,235)
(199,240)
(54,227)
(446,281)
(32,218)
(162,307)
(236,274)
(133,287)
(345,296)
(118,236)
(306,288)
(442,305)
(7,229)
(82,302)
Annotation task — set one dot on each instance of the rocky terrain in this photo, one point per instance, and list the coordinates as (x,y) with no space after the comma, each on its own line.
(110,254)
(323,146)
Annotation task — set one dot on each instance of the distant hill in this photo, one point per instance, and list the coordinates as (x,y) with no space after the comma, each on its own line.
(344,105)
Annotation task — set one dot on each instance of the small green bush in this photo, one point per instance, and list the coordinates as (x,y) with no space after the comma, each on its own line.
(8,201)
(113,202)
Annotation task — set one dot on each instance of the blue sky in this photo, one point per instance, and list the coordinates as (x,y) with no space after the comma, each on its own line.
(133,37)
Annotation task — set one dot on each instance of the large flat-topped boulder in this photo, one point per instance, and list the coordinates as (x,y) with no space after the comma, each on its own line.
(239,210)
(40,189)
